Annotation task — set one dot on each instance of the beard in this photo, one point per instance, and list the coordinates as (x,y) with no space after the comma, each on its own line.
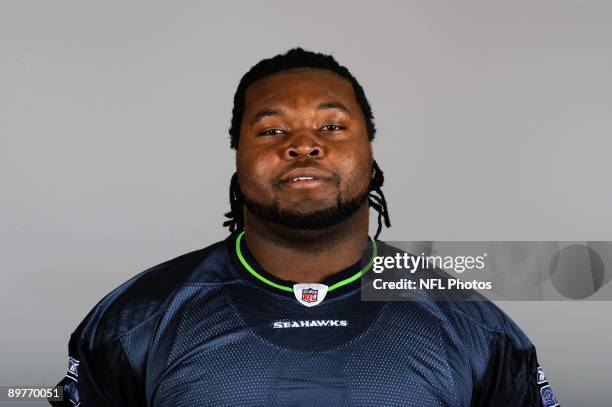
(311,220)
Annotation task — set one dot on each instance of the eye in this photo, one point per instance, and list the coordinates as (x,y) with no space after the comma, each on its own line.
(331,127)
(271,132)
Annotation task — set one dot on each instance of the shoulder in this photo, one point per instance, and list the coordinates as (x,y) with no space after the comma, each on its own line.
(464,312)
(481,314)
(147,294)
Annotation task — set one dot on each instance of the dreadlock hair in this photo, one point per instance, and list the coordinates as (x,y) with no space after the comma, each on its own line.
(294,59)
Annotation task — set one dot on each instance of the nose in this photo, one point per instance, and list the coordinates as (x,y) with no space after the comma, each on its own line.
(304,145)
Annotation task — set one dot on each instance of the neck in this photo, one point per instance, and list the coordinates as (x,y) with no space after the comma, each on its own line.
(307,256)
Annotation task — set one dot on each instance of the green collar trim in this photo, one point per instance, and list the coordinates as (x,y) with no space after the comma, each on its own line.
(290,289)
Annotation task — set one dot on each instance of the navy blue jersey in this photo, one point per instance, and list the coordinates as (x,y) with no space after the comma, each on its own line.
(212,328)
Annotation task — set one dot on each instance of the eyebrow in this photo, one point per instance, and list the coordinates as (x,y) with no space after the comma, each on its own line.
(265,113)
(335,106)
(278,112)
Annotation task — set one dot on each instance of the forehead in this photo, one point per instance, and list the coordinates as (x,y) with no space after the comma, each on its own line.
(299,85)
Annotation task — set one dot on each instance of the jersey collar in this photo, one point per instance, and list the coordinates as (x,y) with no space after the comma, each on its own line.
(336,284)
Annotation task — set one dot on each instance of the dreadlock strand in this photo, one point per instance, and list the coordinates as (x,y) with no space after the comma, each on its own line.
(235,214)
(377,200)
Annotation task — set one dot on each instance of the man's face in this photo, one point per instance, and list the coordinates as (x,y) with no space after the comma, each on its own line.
(304,158)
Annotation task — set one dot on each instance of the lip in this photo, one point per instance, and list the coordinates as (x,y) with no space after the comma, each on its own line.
(317,178)
(303,172)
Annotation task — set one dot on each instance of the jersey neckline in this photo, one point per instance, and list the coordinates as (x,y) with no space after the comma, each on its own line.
(248,268)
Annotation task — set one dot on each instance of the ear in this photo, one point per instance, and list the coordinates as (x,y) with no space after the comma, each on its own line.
(372,156)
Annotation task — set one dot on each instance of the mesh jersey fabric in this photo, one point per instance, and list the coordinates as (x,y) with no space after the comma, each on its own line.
(199,330)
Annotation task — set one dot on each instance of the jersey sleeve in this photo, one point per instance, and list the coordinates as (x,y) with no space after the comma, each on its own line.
(98,376)
(513,377)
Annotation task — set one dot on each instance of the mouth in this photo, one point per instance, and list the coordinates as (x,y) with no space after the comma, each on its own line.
(304,178)
(304,182)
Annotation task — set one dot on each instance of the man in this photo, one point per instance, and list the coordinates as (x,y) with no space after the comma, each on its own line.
(272,315)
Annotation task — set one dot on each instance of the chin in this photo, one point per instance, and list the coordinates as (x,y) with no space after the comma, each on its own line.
(306,214)
(309,208)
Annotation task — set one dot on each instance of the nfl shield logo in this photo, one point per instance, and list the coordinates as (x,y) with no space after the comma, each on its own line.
(309,295)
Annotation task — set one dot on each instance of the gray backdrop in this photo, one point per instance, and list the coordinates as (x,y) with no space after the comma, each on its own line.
(494,123)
